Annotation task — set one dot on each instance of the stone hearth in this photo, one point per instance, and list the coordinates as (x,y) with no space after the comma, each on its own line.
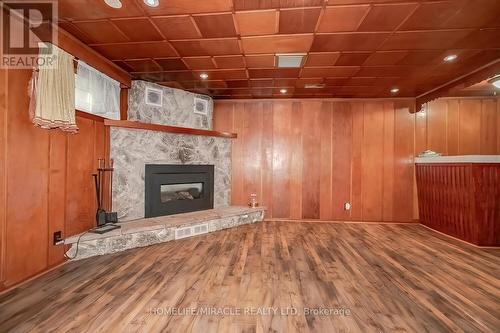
(145,232)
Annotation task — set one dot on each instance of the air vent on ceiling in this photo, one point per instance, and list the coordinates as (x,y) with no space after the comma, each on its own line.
(290,60)
(191,231)
(154,96)
(200,106)
(314,85)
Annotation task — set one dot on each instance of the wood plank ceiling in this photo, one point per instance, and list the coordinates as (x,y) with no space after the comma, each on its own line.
(357,48)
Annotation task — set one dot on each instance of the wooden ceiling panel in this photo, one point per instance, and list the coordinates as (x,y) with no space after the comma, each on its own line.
(230,61)
(207,47)
(381,58)
(123,65)
(203,63)
(274,73)
(360,81)
(138,30)
(336,81)
(256,23)
(171,64)
(300,83)
(425,40)
(481,39)
(269,4)
(357,48)
(217,25)
(385,71)
(337,71)
(209,84)
(81,10)
(172,7)
(339,19)
(352,58)
(475,14)
(454,14)
(237,83)
(303,20)
(322,59)
(177,76)
(260,83)
(386,17)
(178,27)
(73,30)
(136,50)
(236,74)
(143,65)
(285,82)
(277,44)
(262,92)
(260,61)
(101,32)
(172,84)
(431,15)
(348,42)
(420,58)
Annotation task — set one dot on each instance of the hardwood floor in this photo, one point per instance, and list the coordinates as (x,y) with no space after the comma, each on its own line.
(402,278)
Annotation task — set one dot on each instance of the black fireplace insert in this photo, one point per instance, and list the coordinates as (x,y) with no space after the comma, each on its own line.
(172,188)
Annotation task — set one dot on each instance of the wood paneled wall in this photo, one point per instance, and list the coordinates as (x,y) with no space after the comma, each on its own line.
(306,158)
(46,183)
(460,126)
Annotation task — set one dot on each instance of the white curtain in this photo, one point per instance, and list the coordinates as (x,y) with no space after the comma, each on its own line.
(96,92)
(52,102)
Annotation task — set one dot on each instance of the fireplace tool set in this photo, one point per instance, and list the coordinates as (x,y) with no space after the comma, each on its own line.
(106,221)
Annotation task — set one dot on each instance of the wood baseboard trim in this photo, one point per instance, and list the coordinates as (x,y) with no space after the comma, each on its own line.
(31,278)
(337,221)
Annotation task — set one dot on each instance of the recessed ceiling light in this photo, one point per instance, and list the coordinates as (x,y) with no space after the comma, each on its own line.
(113,3)
(203,76)
(450,57)
(495,81)
(283,91)
(394,90)
(152,3)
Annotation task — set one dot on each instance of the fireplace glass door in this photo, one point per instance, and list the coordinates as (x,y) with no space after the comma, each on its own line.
(172,189)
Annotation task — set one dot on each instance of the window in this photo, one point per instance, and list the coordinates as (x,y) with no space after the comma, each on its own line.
(96,92)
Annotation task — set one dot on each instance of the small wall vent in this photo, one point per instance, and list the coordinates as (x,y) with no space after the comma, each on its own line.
(191,231)
(154,97)
(200,106)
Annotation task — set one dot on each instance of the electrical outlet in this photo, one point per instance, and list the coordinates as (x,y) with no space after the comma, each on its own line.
(347,206)
(58,240)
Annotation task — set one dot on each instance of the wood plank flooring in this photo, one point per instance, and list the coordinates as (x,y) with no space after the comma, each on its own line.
(389,278)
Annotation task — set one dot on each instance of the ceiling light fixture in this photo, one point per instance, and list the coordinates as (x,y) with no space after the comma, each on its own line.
(495,81)
(152,3)
(450,58)
(283,91)
(203,76)
(290,60)
(394,90)
(113,3)
(314,85)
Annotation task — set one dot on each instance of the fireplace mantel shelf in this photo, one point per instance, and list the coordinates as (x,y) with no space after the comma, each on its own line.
(164,128)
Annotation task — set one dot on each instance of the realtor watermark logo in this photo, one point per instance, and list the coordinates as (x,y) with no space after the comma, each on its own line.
(28,33)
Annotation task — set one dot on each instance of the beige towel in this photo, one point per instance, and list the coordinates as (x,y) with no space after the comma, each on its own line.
(53,93)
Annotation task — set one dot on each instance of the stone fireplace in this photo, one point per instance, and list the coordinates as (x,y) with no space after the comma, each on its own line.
(172,189)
